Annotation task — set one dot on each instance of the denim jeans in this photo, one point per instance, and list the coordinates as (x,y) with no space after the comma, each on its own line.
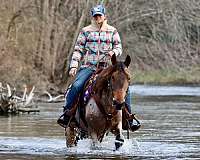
(82,76)
(128,103)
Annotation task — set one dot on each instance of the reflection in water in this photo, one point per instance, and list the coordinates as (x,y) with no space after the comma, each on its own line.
(170,130)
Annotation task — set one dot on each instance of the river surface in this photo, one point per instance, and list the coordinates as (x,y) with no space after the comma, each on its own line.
(170,118)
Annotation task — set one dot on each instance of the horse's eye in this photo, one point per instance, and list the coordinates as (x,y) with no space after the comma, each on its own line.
(113,78)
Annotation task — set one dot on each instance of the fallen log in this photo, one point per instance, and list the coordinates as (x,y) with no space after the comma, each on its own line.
(11,103)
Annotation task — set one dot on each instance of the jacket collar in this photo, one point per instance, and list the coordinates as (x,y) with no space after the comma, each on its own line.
(104,26)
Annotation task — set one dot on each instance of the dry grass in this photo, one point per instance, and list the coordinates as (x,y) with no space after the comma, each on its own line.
(165,77)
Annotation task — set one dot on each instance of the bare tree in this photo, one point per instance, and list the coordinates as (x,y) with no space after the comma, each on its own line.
(38,36)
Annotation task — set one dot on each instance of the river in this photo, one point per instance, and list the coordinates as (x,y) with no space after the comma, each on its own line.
(170,117)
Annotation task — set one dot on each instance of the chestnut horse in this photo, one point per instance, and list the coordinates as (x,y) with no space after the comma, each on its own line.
(103,111)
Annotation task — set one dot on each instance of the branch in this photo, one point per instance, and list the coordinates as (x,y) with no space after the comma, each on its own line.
(80,24)
(136,15)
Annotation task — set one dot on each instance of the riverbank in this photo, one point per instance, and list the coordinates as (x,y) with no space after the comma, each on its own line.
(152,77)
(167,77)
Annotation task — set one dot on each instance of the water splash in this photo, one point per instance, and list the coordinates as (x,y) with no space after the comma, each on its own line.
(31,145)
(48,146)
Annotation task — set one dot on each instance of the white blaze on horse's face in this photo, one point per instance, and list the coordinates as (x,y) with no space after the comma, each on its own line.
(120,83)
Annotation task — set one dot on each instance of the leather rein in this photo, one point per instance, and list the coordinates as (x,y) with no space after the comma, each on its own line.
(116,104)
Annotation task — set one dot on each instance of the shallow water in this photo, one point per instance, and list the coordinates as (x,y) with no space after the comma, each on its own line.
(170,130)
(146,90)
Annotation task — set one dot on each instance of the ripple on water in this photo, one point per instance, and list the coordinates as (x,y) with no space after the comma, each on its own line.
(131,147)
(170,130)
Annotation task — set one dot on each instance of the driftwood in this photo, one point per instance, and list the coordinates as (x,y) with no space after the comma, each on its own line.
(28,110)
(11,103)
(46,97)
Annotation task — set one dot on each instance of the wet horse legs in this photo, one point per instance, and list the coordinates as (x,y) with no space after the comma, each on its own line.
(119,140)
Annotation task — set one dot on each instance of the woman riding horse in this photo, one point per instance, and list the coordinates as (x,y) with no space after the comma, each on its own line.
(106,92)
(93,43)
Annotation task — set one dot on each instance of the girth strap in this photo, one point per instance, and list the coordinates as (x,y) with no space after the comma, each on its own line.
(101,108)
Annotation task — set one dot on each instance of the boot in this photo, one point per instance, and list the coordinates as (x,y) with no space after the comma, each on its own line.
(63,120)
(133,127)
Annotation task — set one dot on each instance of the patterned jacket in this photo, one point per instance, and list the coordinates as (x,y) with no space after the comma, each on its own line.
(93,43)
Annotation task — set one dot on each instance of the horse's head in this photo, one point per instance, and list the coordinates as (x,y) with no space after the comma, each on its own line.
(119,80)
(115,81)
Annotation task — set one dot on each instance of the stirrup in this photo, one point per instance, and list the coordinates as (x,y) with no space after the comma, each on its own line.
(62,123)
(134,127)
(131,117)
(64,119)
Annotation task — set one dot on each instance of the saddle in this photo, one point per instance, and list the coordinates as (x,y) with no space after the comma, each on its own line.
(77,112)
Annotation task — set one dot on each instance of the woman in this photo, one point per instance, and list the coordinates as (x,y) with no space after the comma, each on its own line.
(95,43)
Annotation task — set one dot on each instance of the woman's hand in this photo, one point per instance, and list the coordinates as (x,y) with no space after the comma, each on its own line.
(72,72)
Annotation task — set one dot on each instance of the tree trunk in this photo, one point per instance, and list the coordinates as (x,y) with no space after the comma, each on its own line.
(79,26)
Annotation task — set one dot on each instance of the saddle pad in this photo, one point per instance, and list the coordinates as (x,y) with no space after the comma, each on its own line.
(87,92)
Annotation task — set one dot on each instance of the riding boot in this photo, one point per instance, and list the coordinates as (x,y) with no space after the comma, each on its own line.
(132,125)
(64,119)
(70,95)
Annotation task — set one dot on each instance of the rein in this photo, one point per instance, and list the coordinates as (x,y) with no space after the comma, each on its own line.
(115,103)
(96,65)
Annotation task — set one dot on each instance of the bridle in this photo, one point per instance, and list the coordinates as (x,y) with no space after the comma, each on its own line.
(115,103)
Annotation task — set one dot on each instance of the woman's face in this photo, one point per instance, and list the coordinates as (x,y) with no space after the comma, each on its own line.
(99,18)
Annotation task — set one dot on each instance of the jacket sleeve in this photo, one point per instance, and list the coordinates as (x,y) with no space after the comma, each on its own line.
(117,44)
(78,50)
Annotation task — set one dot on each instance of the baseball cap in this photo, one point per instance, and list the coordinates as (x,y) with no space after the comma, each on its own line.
(99,9)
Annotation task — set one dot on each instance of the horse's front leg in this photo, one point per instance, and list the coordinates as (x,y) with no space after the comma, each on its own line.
(71,136)
(93,136)
(119,140)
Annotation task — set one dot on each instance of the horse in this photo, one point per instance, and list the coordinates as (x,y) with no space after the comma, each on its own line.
(103,110)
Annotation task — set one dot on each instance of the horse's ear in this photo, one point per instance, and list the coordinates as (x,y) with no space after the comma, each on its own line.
(127,61)
(114,59)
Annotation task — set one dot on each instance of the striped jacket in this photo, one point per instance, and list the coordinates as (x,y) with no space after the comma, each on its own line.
(93,43)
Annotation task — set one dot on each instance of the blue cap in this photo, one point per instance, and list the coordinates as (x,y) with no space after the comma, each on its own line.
(99,9)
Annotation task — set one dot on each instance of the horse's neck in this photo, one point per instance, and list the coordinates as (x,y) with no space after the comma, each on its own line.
(101,89)
(102,78)
(105,73)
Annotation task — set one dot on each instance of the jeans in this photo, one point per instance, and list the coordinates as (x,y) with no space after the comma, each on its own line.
(82,76)
(128,103)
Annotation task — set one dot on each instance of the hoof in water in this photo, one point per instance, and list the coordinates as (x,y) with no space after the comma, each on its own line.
(118,142)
